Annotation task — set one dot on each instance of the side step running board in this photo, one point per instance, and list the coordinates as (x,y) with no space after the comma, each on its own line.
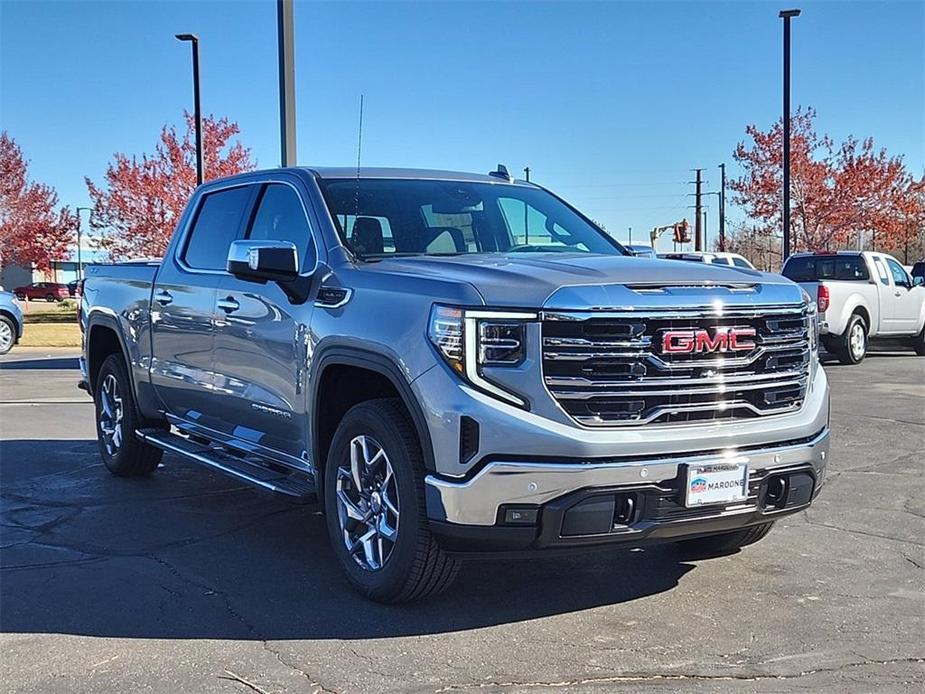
(291,484)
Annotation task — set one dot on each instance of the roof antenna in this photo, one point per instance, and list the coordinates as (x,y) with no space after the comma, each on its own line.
(356,211)
(360,137)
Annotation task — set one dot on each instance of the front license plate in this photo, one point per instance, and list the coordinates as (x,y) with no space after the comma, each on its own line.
(716,483)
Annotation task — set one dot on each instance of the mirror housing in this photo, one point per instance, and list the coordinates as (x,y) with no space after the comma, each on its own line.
(918,281)
(263,261)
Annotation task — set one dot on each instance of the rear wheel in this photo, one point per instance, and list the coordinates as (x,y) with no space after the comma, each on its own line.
(50,297)
(374,501)
(7,334)
(851,348)
(726,542)
(117,420)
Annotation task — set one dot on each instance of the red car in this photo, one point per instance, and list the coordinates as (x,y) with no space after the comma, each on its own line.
(50,291)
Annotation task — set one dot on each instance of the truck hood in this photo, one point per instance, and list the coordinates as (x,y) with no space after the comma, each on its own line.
(586,281)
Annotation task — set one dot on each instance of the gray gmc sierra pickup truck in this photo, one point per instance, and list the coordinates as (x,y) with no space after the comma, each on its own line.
(455,365)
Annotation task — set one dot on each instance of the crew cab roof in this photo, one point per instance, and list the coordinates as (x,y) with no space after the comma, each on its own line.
(407,174)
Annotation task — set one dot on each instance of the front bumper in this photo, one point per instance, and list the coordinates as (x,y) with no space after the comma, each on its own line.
(576,503)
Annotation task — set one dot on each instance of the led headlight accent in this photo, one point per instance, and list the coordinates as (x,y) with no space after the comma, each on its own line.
(471,339)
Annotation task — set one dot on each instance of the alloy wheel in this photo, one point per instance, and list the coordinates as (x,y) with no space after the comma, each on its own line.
(111,414)
(367,503)
(6,337)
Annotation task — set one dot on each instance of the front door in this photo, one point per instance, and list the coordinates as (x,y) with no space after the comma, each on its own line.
(261,338)
(902,308)
(183,308)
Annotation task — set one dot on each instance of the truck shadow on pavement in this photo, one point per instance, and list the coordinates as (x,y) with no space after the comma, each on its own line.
(188,553)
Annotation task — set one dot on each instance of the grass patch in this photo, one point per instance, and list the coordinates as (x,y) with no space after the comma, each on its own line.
(61,312)
(51,335)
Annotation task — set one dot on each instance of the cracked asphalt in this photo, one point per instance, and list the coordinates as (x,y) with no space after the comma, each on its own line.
(189,582)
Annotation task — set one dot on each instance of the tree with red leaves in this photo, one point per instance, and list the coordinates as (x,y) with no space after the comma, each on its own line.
(33,232)
(836,194)
(144,198)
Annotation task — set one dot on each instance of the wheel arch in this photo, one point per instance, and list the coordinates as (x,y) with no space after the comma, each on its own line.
(385,368)
(105,338)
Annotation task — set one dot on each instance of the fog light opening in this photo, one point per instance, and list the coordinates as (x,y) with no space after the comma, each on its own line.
(624,510)
(776,494)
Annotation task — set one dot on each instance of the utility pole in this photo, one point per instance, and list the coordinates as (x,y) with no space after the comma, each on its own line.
(698,212)
(722,208)
(631,236)
(787,15)
(286,40)
(527,173)
(197,106)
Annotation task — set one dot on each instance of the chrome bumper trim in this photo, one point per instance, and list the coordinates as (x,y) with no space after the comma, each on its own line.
(476,501)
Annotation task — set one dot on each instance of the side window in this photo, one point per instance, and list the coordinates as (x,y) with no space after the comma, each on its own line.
(900,278)
(881,272)
(216,226)
(740,262)
(281,217)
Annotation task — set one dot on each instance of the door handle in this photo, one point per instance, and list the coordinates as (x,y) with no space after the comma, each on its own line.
(897,293)
(228,304)
(163,297)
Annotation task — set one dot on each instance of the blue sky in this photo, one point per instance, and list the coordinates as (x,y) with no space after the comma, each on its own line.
(610,103)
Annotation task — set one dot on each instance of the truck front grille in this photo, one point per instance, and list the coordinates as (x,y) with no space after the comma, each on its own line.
(613,369)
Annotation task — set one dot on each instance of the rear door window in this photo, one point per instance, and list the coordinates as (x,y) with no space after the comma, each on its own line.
(813,268)
(216,226)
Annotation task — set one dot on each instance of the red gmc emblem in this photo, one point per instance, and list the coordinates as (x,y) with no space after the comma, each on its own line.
(698,341)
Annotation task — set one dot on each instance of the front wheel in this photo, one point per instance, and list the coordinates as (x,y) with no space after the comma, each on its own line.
(116,422)
(918,343)
(374,502)
(50,298)
(724,543)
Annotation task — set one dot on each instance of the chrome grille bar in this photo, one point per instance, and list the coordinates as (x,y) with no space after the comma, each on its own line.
(607,368)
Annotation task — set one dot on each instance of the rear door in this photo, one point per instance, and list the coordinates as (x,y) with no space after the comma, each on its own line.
(902,305)
(262,339)
(183,307)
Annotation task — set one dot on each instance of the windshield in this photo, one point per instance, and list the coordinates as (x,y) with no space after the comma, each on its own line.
(384,217)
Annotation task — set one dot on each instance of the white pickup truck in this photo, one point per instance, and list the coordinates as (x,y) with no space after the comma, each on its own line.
(859,296)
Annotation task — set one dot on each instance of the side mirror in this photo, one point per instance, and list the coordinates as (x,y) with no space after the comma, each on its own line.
(263,261)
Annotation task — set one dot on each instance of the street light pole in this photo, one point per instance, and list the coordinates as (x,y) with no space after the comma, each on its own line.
(285,36)
(787,15)
(197,106)
(722,208)
(80,265)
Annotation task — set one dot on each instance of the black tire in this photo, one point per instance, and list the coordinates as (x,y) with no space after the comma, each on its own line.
(848,352)
(50,298)
(416,566)
(918,343)
(132,457)
(21,297)
(725,543)
(8,325)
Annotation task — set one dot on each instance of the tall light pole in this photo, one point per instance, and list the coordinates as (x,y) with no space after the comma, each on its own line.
(722,208)
(197,106)
(80,265)
(285,34)
(787,15)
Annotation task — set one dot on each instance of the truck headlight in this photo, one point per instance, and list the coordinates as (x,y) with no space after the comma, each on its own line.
(469,339)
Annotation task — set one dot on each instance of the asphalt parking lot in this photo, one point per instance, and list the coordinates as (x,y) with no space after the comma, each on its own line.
(188,581)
